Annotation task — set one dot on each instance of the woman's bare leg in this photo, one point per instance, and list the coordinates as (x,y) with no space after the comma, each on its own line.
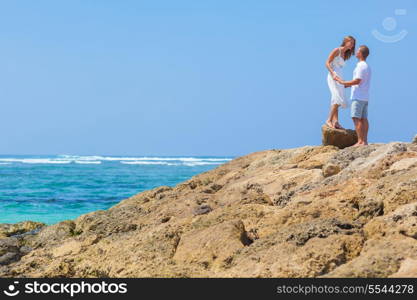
(332,116)
(336,118)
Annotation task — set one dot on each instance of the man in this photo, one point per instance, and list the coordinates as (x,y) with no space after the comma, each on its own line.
(360,95)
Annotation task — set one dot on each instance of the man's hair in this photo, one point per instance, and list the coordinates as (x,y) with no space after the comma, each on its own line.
(364,50)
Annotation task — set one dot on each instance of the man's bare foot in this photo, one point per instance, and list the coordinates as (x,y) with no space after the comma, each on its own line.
(330,124)
(338,126)
(358,144)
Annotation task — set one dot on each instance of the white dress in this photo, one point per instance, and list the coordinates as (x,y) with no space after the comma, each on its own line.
(336,89)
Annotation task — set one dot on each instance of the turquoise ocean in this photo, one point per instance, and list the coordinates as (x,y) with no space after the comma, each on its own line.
(54,188)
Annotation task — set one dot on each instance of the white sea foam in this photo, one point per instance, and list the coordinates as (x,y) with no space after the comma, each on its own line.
(148,163)
(80,157)
(35,160)
(91,162)
(201,163)
(44,161)
(9,160)
(141,158)
(96,159)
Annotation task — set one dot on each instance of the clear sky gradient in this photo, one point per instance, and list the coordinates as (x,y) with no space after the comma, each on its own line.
(192,77)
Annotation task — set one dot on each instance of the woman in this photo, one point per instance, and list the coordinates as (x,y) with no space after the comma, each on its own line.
(334,64)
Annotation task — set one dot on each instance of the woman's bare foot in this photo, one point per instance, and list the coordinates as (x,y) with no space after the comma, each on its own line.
(330,124)
(338,126)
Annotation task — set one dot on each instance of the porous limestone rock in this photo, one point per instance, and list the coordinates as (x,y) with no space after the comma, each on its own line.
(7,230)
(340,138)
(313,211)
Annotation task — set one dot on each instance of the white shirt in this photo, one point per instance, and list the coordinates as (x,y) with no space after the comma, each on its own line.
(361,91)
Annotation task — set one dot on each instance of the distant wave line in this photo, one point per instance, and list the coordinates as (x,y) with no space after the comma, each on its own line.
(145,160)
(190,164)
(148,163)
(35,161)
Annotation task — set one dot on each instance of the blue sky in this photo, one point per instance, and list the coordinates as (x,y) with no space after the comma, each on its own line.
(192,77)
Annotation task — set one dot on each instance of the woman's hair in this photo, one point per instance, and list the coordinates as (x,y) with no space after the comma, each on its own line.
(348,53)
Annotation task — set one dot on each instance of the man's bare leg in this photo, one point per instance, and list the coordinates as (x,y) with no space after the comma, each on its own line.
(359,130)
(365,130)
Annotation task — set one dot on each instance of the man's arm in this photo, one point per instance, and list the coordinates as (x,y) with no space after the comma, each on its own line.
(358,74)
(349,83)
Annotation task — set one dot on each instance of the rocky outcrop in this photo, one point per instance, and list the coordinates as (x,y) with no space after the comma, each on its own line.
(408,269)
(13,239)
(340,138)
(7,230)
(314,211)
(415,139)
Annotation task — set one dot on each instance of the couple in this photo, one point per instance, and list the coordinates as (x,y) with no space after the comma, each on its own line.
(360,87)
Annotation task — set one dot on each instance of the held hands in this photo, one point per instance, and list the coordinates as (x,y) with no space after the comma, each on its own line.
(338,79)
(342,82)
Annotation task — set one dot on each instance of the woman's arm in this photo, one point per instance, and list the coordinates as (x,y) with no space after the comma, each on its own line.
(329,60)
(349,83)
